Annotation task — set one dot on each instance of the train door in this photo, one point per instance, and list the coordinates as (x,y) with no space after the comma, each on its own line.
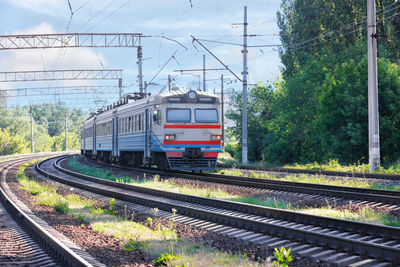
(94,140)
(147,137)
(115,149)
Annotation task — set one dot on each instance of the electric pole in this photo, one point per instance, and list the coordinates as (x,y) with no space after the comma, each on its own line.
(120,88)
(31,119)
(222,112)
(373,111)
(66,133)
(244,80)
(204,73)
(140,75)
(169,83)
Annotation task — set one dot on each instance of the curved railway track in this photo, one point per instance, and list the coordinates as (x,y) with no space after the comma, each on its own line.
(24,242)
(347,242)
(373,197)
(313,172)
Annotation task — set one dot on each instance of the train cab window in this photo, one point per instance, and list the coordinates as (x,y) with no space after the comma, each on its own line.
(157,117)
(178,115)
(136,123)
(206,115)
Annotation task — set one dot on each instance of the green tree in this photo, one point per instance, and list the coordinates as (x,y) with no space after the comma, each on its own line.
(260,111)
(48,128)
(11,144)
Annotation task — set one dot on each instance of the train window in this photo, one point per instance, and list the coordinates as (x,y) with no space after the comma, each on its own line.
(178,115)
(157,116)
(206,115)
(207,99)
(130,124)
(175,99)
(140,122)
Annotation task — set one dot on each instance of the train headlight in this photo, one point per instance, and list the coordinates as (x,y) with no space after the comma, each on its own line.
(216,137)
(192,95)
(169,137)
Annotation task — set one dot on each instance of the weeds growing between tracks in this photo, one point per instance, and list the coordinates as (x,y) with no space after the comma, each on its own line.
(363,214)
(157,239)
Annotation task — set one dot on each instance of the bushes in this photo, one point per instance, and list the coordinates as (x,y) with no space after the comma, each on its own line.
(48,128)
(232,149)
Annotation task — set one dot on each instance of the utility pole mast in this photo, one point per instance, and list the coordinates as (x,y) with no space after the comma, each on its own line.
(120,88)
(66,132)
(244,80)
(222,112)
(31,119)
(204,73)
(373,111)
(169,83)
(140,75)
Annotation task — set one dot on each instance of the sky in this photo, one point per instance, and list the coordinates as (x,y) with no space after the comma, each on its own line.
(174,19)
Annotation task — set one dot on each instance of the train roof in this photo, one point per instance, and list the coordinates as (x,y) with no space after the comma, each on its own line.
(183,96)
(174,96)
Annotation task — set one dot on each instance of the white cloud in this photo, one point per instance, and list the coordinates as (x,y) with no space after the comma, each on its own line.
(41,28)
(48,7)
(184,24)
(52,58)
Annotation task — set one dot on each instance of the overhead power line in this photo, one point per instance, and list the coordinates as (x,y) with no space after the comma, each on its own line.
(40,91)
(24,76)
(62,40)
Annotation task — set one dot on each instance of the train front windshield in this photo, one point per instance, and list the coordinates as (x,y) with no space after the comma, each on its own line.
(180,115)
(206,115)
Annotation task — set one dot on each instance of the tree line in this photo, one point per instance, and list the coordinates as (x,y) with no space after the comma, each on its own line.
(48,128)
(318,109)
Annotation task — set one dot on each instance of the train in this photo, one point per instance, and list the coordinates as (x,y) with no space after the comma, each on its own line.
(176,130)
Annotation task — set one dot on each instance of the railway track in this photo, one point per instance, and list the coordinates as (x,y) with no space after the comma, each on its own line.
(336,241)
(372,197)
(313,172)
(24,242)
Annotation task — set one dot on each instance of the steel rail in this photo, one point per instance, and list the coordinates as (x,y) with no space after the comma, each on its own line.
(314,172)
(352,193)
(59,252)
(190,207)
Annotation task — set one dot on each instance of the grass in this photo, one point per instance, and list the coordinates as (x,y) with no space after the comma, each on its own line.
(226,158)
(170,186)
(157,239)
(102,173)
(268,202)
(166,185)
(334,165)
(315,179)
(363,215)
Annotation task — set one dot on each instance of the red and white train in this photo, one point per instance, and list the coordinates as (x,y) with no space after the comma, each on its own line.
(178,130)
